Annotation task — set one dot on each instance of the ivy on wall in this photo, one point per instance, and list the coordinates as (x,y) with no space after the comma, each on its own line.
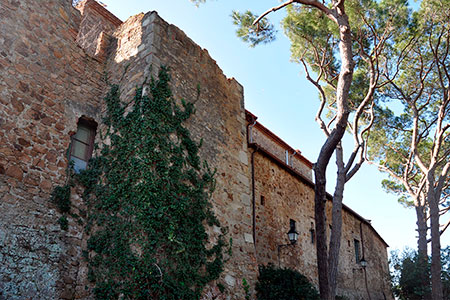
(148,196)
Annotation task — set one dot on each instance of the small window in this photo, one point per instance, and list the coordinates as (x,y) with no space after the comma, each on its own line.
(312,233)
(82,144)
(263,200)
(357,246)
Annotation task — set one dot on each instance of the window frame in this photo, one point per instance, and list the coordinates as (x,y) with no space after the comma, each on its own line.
(91,127)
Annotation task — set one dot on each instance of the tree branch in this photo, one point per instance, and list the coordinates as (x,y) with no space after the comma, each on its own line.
(275,8)
(322,101)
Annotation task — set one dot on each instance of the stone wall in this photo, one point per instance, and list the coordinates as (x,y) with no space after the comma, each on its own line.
(53,75)
(53,62)
(263,137)
(144,43)
(47,83)
(281,194)
(96,22)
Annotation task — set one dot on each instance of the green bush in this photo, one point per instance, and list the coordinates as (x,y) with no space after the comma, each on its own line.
(406,271)
(283,284)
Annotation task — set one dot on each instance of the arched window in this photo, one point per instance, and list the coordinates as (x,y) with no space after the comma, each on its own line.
(82,144)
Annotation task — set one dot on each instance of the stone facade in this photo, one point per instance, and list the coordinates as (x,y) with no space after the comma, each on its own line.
(47,83)
(284,191)
(53,63)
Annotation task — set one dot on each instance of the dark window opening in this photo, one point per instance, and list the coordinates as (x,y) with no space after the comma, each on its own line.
(357,247)
(292,224)
(263,200)
(82,144)
(313,235)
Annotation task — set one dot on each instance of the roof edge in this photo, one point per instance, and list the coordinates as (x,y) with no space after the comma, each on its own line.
(304,179)
(251,118)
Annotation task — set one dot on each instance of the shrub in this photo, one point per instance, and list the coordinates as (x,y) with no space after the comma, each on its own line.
(406,272)
(283,284)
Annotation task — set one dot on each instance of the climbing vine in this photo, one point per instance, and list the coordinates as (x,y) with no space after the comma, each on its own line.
(148,196)
(61,198)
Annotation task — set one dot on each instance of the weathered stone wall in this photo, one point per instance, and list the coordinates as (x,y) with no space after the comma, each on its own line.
(52,65)
(95,23)
(47,83)
(144,43)
(52,75)
(351,280)
(284,198)
(282,195)
(266,139)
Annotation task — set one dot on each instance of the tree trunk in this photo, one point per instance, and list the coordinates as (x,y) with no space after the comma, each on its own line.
(320,209)
(336,227)
(436,283)
(422,248)
(422,231)
(343,88)
(321,237)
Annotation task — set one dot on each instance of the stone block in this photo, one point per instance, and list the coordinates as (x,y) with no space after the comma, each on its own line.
(248,238)
(230,280)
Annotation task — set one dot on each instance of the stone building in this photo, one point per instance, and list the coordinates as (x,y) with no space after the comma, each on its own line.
(53,59)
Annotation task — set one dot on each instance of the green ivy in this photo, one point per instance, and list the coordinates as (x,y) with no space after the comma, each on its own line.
(148,196)
(246,287)
(61,197)
(63,222)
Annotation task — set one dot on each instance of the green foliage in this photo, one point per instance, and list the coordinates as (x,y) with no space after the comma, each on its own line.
(63,222)
(445,274)
(61,197)
(246,289)
(406,275)
(419,58)
(406,271)
(148,196)
(283,284)
(262,33)
(315,40)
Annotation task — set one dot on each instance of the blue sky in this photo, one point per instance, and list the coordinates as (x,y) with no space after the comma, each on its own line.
(277,92)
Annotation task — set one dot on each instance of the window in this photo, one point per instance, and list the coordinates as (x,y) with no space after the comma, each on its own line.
(263,200)
(82,144)
(357,246)
(312,233)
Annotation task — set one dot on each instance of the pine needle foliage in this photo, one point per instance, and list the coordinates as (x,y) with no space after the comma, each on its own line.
(148,194)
